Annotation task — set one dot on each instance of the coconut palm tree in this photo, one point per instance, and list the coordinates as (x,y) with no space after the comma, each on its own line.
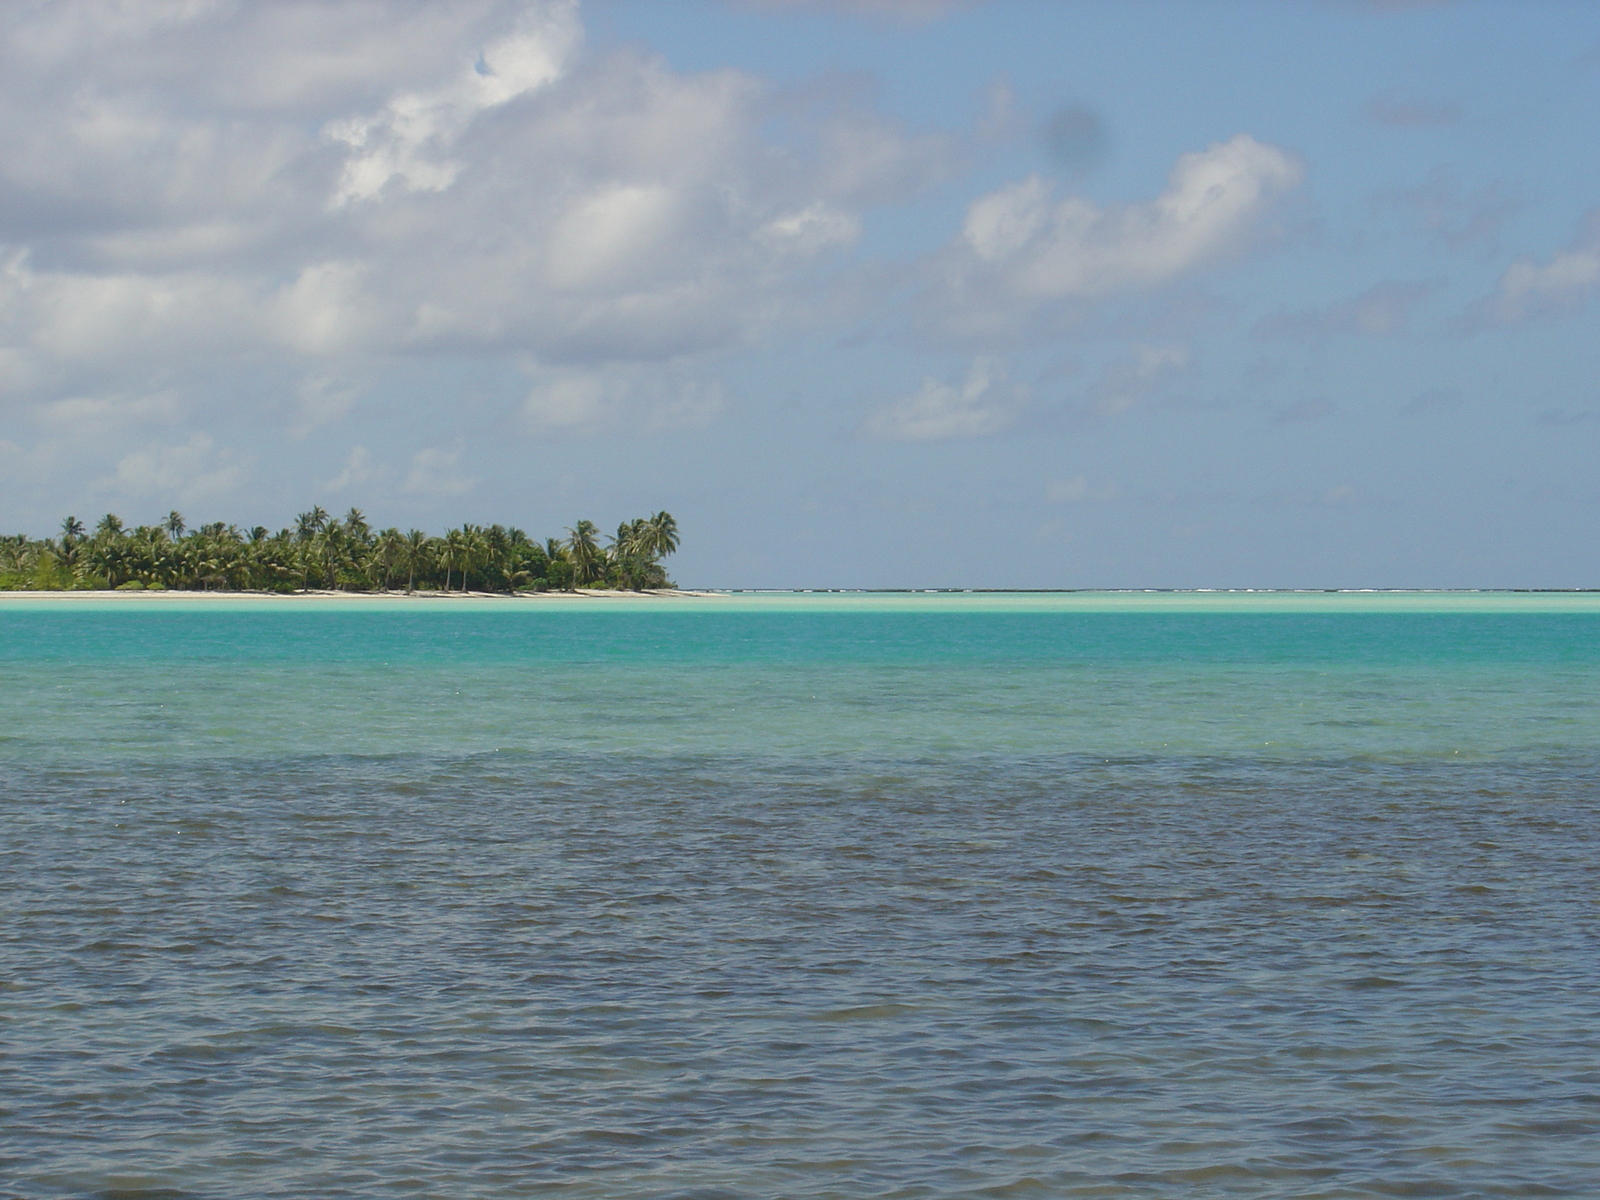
(584,551)
(520,555)
(414,553)
(481,556)
(334,543)
(470,555)
(625,553)
(389,547)
(661,534)
(308,524)
(454,547)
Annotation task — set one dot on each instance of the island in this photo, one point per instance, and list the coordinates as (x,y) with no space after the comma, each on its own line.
(338,554)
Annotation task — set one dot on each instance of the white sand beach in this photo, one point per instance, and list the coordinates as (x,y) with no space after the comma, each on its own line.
(158,597)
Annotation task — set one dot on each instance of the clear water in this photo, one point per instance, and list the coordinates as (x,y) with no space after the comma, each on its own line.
(801,896)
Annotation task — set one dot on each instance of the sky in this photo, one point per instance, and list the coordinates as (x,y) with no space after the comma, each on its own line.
(867,293)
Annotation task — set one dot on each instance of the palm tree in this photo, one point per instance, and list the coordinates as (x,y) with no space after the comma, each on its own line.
(625,551)
(661,534)
(455,548)
(519,550)
(390,545)
(480,552)
(414,552)
(334,546)
(108,558)
(343,553)
(584,551)
(496,560)
(308,524)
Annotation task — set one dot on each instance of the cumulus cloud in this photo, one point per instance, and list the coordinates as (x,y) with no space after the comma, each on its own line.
(1562,282)
(986,402)
(410,139)
(318,186)
(1021,247)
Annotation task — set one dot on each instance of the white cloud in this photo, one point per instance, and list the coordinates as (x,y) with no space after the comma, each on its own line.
(318,188)
(327,308)
(1021,247)
(436,472)
(81,317)
(1074,248)
(1530,288)
(639,399)
(193,470)
(411,137)
(986,402)
(82,419)
(321,399)
(358,469)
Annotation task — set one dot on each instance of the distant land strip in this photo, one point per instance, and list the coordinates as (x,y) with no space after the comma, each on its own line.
(337,556)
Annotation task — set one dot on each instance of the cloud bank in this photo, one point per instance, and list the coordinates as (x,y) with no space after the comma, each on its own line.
(263,212)
(320,186)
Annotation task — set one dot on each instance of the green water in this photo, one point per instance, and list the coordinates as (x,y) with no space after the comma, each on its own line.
(1274,677)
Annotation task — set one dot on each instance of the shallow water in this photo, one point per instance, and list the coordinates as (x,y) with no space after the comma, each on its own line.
(800,898)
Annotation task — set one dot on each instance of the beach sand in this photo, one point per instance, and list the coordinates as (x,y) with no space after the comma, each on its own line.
(316,594)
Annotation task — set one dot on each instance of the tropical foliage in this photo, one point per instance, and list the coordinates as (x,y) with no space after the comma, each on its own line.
(344,554)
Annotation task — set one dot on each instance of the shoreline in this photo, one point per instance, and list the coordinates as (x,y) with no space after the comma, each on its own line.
(1199,601)
(323,594)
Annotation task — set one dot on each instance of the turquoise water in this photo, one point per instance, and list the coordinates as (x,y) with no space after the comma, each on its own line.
(820,896)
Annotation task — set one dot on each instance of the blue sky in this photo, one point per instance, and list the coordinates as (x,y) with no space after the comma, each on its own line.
(866,293)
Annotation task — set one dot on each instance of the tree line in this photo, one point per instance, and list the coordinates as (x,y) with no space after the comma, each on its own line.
(337,554)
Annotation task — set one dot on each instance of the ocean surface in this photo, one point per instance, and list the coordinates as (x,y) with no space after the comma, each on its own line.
(801,896)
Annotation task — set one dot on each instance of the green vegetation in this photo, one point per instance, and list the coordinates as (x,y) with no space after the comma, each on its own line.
(323,552)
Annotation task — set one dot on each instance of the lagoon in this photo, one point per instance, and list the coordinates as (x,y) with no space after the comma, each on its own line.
(810,895)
